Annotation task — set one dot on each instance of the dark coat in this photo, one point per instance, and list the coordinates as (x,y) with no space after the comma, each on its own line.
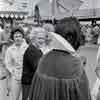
(60,76)
(30,62)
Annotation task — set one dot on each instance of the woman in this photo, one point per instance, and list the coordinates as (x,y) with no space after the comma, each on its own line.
(14,61)
(60,74)
(31,58)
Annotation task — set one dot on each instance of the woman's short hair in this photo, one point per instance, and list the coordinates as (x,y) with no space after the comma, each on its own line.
(69,28)
(35,32)
(16,29)
(48,27)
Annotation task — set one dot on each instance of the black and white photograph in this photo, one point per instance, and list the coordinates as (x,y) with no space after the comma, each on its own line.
(49,49)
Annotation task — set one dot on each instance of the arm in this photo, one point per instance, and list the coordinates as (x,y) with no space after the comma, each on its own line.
(30,61)
(98,55)
(98,41)
(2,41)
(8,61)
(26,67)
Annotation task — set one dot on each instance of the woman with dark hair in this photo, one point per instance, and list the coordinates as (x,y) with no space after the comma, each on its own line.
(16,29)
(14,61)
(60,74)
(70,29)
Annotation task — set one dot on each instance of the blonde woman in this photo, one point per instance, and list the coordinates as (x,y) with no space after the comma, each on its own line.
(31,58)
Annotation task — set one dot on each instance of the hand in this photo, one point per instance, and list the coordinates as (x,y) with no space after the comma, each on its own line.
(97,71)
(11,41)
(84,60)
(4,42)
(3,73)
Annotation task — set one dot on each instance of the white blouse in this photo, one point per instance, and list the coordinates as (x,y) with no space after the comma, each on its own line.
(14,60)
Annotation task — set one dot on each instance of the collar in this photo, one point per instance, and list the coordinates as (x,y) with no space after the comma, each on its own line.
(59,42)
(24,44)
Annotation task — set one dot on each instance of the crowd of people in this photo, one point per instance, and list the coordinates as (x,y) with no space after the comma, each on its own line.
(91,33)
(44,64)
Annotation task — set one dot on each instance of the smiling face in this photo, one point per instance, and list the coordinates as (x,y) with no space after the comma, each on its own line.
(38,37)
(18,38)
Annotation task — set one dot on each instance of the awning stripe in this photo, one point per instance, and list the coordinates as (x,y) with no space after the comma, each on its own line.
(13,14)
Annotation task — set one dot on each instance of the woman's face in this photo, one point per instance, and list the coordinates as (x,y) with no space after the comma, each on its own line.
(18,38)
(40,39)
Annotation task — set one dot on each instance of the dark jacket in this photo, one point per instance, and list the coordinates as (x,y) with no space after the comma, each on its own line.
(30,62)
(60,76)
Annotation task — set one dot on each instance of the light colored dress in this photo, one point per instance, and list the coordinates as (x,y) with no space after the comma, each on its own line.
(14,60)
(14,64)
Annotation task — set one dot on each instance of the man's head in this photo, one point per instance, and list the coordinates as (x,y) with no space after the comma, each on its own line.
(69,28)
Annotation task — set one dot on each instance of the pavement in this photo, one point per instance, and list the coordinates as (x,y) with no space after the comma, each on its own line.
(89,51)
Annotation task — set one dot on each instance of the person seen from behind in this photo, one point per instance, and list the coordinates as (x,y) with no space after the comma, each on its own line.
(60,74)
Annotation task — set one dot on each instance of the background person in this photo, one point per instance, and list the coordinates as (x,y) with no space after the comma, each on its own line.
(5,40)
(14,61)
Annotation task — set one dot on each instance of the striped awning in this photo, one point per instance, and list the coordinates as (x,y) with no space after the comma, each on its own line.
(13,14)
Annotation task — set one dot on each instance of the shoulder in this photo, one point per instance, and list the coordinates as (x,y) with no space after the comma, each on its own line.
(76,56)
(24,47)
(10,49)
(61,58)
(2,33)
(48,57)
(33,50)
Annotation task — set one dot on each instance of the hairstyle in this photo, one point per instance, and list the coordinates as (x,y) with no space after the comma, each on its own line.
(48,27)
(35,31)
(16,29)
(69,28)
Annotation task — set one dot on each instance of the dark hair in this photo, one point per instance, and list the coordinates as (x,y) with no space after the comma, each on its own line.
(69,28)
(15,29)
